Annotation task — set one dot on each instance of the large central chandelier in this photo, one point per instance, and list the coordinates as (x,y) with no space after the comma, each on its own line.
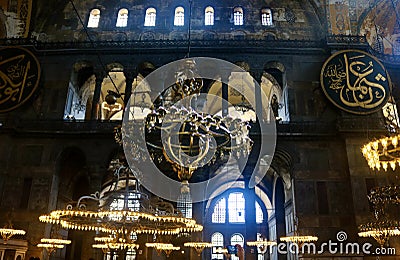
(122,211)
(180,129)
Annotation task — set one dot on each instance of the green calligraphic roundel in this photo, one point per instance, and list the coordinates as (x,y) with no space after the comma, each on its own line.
(19,77)
(356,82)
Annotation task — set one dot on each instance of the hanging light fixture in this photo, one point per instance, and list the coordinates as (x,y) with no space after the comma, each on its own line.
(166,247)
(385,152)
(198,246)
(122,211)
(52,244)
(181,130)
(380,230)
(384,226)
(8,231)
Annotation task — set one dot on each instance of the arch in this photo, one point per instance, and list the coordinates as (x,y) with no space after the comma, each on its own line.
(78,103)
(94,18)
(239,35)
(145,68)
(148,36)
(236,239)
(269,36)
(120,36)
(209,16)
(266,17)
(122,18)
(217,240)
(111,100)
(240,185)
(179,17)
(210,35)
(150,17)
(244,65)
(238,15)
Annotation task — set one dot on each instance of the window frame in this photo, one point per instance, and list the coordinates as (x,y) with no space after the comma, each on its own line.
(150,18)
(268,21)
(179,17)
(209,17)
(238,16)
(94,19)
(122,21)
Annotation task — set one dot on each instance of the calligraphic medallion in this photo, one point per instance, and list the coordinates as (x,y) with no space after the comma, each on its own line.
(19,77)
(355,81)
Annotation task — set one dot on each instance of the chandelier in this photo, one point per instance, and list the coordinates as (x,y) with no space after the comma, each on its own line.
(384,226)
(385,152)
(299,239)
(122,211)
(179,129)
(380,230)
(52,244)
(166,247)
(8,231)
(111,243)
(382,153)
(198,246)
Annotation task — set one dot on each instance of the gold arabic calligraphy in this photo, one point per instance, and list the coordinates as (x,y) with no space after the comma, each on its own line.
(352,82)
(14,80)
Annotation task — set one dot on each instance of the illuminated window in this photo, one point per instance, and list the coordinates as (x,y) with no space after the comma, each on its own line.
(209,16)
(150,18)
(217,240)
(266,17)
(391,115)
(94,18)
(236,206)
(238,16)
(259,214)
(260,255)
(236,239)
(122,20)
(219,213)
(179,19)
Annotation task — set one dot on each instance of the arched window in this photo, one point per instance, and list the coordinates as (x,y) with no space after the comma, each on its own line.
(209,16)
(236,238)
(238,16)
(259,214)
(260,254)
(219,213)
(94,18)
(217,240)
(266,17)
(150,18)
(227,215)
(179,19)
(122,20)
(236,206)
